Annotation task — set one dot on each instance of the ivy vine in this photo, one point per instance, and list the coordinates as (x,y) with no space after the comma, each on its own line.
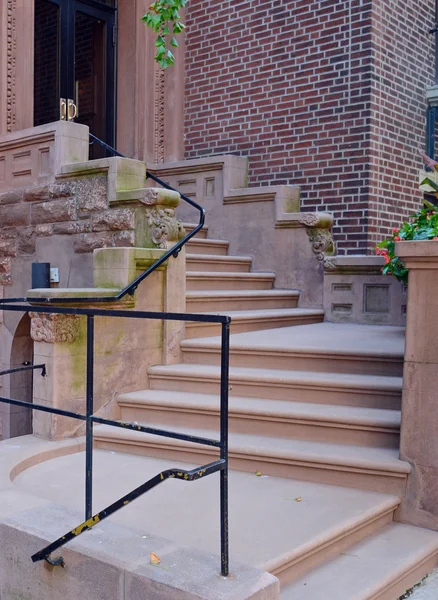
(164,19)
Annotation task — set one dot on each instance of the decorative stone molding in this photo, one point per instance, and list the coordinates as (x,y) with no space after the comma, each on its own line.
(164,226)
(322,242)
(159,101)
(11,64)
(54,328)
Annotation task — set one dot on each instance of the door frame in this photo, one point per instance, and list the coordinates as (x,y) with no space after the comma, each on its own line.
(67,86)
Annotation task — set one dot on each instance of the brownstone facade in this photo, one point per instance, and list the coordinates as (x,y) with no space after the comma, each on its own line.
(329,95)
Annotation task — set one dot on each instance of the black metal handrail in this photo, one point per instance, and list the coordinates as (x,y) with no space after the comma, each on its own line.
(89,418)
(26,367)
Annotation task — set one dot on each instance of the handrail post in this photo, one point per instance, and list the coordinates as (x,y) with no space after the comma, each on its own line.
(225,363)
(89,421)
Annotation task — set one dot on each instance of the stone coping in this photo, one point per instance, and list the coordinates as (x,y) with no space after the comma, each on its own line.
(195,165)
(354,264)
(35,297)
(72,293)
(106,554)
(427,249)
(60,128)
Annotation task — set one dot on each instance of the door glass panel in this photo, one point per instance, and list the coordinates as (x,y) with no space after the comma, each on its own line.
(46,86)
(90,76)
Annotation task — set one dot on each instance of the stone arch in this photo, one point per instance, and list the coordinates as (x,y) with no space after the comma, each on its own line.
(21,383)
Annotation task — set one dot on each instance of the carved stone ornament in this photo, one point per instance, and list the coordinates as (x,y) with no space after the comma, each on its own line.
(322,242)
(309,219)
(54,328)
(11,64)
(164,226)
(330,263)
(159,129)
(160,197)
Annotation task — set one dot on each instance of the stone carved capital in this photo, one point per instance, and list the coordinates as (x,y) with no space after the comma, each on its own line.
(54,328)
(164,226)
(322,242)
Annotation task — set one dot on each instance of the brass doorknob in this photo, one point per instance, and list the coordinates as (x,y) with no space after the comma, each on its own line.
(72,110)
(63,109)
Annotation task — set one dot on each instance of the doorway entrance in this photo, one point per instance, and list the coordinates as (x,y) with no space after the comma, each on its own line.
(74,72)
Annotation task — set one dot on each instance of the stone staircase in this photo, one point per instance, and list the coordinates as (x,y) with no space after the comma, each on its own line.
(314,408)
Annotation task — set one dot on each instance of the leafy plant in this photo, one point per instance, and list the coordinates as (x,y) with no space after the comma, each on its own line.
(164,19)
(422,226)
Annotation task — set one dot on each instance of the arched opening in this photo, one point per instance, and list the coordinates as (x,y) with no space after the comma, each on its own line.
(21,383)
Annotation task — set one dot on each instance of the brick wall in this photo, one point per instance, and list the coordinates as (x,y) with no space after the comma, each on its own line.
(403,68)
(292,85)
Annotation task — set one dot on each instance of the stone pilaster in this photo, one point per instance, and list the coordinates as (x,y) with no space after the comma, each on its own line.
(419,440)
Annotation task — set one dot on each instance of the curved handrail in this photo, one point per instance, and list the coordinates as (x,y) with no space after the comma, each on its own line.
(172,252)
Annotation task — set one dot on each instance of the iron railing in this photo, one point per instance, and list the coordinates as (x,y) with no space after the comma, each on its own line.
(220,465)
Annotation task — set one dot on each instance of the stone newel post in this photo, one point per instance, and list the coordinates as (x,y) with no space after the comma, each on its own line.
(419,431)
(124,349)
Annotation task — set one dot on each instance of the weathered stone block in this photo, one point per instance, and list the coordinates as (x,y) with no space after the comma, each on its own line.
(11,197)
(71,228)
(36,194)
(87,242)
(62,190)
(124,238)
(91,194)
(14,216)
(54,211)
(116,219)
(26,241)
(8,247)
(44,230)
(5,271)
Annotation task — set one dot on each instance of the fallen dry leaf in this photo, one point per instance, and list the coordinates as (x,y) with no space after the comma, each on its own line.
(155,560)
(258,473)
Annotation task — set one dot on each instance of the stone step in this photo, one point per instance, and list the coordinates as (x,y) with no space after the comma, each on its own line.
(380,567)
(276,418)
(216,263)
(268,527)
(202,234)
(207,246)
(346,389)
(255,320)
(286,349)
(236,300)
(374,469)
(229,281)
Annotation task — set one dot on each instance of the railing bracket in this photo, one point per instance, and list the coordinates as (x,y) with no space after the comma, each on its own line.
(57,562)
